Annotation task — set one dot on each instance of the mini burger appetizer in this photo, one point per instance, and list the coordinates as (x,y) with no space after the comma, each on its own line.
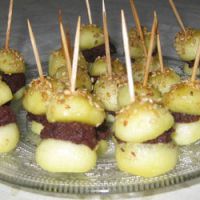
(9,132)
(144,146)
(57,60)
(12,65)
(69,141)
(183,101)
(92,40)
(186,42)
(99,67)
(143,131)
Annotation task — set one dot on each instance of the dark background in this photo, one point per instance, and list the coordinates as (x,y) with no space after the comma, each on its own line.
(43,16)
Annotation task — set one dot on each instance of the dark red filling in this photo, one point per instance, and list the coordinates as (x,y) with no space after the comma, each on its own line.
(77,133)
(38,118)
(7,116)
(164,138)
(190,63)
(91,54)
(14,81)
(185,118)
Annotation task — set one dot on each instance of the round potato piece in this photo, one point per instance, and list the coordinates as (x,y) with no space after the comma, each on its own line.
(11,61)
(142,121)
(5,94)
(136,46)
(186,45)
(64,156)
(78,106)
(90,36)
(140,91)
(186,133)
(9,137)
(163,81)
(184,98)
(147,160)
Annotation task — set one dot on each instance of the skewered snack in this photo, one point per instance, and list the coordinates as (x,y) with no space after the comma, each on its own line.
(163,81)
(186,42)
(136,46)
(9,132)
(140,91)
(99,67)
(70,143)
(83,79)
(143,130)
(186,45)
(106,89)
(57,60)
(183,101)
(139,66)
(12,66)
(92,42)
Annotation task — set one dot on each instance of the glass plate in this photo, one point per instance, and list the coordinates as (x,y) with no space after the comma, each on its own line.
(19,167)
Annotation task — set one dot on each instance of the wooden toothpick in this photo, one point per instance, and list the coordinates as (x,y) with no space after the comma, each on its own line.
(127,57)
(7,41)
(160,52)
(149,56)
(196,64)
(68,42)
(66,51)
(171,2)
(138,25)
(106,39)
(88,11)
(35,50)
(75,55)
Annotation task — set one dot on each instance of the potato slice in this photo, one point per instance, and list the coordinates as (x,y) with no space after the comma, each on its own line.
(184,98)
(136,48)
(78,106)
(5,93)
(63,156)
(57,60)
(38,93)
(99,67)
(90,36)
(36,127)
(142,121)
(11,61)
(140,91)
(163,81)
(9,137)
(186,45)
(106,89)
(147,160)
(186,133)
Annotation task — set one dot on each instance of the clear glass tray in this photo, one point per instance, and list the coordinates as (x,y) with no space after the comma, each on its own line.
(19,167)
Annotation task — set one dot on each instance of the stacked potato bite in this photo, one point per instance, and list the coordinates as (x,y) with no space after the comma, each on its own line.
(143,139)
(69,142)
